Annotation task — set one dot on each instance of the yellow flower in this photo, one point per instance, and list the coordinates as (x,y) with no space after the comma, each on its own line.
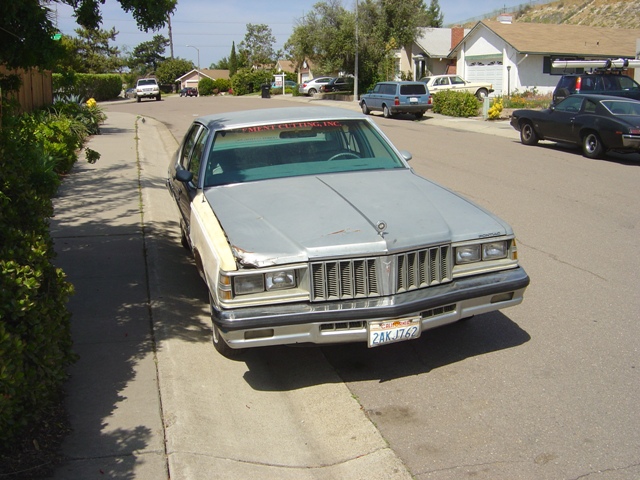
(91,103)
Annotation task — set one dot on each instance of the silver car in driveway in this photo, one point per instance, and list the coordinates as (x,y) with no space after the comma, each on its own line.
(309,226)
(311,87)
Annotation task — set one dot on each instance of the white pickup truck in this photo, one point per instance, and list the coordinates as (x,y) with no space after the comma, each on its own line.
(147,88)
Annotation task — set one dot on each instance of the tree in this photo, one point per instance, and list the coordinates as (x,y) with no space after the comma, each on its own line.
(94,52)
(233,60)
(258,45)
(326,35)
(172,68)
(222,64)
(148,14)
(147,55)
(435,18)
(27,30)
(26,35)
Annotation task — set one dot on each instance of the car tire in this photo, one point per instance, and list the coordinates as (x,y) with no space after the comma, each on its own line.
(528,135)
(592,146)
(365,109)
(158,98)
(386,113)
(138,99)
(482,94)
(312,91)
(419,115)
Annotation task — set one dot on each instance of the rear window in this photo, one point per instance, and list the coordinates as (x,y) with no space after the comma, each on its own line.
(413,89)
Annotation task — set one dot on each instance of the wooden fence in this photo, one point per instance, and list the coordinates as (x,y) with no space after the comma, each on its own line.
(36,89)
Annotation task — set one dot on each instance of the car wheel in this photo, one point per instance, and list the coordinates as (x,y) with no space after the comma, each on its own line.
(312,91)
(419,115)
(592,146)
(158,98)
(386,112)
(138,99)
(219,344)
(482,93)
(365,109)
(528,135)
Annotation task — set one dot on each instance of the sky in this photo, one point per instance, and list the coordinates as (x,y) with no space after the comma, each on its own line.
(203,30)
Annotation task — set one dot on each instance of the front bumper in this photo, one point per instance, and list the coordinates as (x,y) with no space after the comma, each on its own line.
(346,321)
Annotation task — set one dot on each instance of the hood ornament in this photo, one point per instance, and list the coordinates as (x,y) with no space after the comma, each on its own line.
(381,226)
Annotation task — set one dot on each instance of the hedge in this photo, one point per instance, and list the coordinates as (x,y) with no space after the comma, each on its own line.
(87,85)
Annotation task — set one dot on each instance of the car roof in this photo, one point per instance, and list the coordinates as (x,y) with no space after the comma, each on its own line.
(403,82)
(598,97)
(228,120)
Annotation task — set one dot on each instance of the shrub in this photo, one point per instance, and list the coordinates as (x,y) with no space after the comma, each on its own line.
(456,104)
(495,109)
(206,86)
(247,81)
(222,84)
(35,339)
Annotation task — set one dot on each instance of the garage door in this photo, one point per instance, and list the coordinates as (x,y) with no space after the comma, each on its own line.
(489,71)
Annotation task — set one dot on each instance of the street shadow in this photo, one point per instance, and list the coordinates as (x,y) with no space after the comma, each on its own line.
(629,159)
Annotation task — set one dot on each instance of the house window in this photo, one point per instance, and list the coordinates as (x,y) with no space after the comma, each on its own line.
(547,68)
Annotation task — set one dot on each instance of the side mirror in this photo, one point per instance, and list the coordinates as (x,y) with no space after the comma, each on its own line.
(184,176)
(406,155)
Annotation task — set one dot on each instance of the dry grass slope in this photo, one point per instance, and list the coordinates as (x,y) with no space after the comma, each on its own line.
(595,13)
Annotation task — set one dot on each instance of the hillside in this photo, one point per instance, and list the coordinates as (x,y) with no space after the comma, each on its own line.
(595,13)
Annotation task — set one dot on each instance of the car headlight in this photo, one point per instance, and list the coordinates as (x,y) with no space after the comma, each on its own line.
(494,250)
(247,284)
(280,280)
(481,252)
(467,254)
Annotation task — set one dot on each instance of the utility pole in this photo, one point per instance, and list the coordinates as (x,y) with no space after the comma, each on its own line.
(170,35)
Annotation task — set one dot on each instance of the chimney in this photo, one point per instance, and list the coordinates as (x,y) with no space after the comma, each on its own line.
(457,34)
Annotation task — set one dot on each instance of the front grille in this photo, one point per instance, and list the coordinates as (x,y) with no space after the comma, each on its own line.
(378,276)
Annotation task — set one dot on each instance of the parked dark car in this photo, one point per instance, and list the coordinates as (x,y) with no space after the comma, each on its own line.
(338,84)
(189,92)
(598,123)
(598,83)
(392,98)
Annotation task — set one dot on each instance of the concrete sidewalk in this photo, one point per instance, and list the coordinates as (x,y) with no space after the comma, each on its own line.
(149,397)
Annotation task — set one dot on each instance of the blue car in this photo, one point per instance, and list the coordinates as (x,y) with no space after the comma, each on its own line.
(392,98)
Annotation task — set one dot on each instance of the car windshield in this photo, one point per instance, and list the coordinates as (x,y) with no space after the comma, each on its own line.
(264,152)
(149,81)
(622,107)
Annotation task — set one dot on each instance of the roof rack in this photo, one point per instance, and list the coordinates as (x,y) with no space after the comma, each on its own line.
(598,65)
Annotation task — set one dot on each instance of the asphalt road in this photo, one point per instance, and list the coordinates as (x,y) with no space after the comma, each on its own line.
(545,390)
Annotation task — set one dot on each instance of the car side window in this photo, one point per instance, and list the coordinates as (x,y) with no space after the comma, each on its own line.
(188,144)
(456,80)
(570,105)
(590,106)
(198,153)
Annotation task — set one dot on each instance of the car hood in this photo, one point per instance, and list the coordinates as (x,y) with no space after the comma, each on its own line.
(349,214)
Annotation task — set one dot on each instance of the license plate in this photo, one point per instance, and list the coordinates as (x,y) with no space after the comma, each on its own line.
(413,100)
(392,331)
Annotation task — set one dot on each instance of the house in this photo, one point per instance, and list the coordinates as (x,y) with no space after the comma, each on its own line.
(430,52)
(191,79)
(518,56)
